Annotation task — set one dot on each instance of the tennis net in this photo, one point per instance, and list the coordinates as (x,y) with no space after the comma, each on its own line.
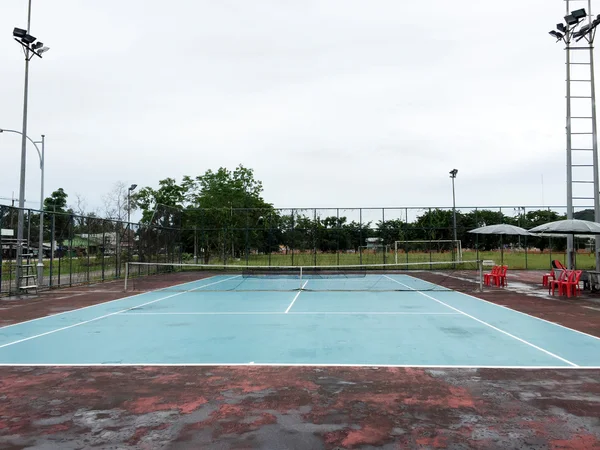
(426,276)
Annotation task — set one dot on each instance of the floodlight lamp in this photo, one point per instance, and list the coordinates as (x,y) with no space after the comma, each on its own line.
(43,50)
(571,20)
(132,187)
(561,27)
(579,14)
(19,33)
(556,35)
(37,45)
(453,173)
(28,39)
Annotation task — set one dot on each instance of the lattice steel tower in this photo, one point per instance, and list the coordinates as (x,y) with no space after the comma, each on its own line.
(583,186)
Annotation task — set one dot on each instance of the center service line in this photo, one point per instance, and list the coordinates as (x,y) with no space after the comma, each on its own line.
(299,292)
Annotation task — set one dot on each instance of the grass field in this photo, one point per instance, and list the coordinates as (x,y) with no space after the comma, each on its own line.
(77,269)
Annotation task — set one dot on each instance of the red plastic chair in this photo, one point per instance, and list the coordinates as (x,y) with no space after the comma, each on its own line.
(547,277)
(489,277)
(571,285)
(564,275)
(500,277)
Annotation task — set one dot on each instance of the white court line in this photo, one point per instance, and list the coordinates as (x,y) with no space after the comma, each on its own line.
(113,313)
(529,315)
(103,303)
(417,366)
(297,295)
(489,325)
(269,313)
(525,314)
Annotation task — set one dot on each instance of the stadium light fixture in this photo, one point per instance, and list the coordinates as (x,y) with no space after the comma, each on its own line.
(19,33)
(561,27)
(579,14)
(571,20)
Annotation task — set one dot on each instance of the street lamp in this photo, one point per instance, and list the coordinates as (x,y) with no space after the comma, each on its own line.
(41,154)
(30,48)
(574,30)
(453,173)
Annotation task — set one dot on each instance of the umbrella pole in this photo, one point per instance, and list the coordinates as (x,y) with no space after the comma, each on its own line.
(501,250)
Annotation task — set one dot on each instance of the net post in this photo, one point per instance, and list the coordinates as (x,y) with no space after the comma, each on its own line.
(300,277)
(480,269)
(126,274)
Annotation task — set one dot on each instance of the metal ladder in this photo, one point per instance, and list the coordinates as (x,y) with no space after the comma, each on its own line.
(581,118)
(26,276)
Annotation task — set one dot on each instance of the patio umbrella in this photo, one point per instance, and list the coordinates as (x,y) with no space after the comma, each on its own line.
(501,229)
(568,226)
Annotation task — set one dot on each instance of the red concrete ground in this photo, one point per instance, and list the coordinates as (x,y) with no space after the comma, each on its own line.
(303,408)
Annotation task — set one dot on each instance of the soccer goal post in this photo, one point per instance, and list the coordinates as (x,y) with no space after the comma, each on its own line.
(428,246)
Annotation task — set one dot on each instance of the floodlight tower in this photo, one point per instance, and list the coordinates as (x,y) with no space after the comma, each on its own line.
(31,48)
(582,156)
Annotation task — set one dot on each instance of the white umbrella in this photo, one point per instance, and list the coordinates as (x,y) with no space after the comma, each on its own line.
(569,226)
(502,228)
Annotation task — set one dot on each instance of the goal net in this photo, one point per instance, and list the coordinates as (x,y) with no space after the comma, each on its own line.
(427,250)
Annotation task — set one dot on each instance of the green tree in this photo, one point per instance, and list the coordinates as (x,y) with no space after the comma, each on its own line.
(58,216)
(169,195)
(57,202)
(225,204)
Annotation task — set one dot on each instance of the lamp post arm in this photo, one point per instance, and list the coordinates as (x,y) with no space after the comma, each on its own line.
(4,130)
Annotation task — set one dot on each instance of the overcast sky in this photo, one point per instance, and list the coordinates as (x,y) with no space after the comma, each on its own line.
(331,102)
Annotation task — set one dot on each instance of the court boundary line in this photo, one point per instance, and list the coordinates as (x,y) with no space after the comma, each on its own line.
(296,297)
(105,303)
(108,315)
(275,313)
(253,364)
(529,315)
(491,326)
(521,312)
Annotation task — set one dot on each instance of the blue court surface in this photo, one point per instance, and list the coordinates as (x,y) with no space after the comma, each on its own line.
(224,320)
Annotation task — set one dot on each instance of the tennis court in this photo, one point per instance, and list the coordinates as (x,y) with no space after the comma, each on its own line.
(372,319)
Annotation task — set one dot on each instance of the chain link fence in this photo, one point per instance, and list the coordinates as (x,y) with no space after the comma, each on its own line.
(330,236)
(79,249)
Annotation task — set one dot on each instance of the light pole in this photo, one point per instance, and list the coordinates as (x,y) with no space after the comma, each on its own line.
(571,32)
(30,48)
(453,173)
(41,154)
(129,191)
